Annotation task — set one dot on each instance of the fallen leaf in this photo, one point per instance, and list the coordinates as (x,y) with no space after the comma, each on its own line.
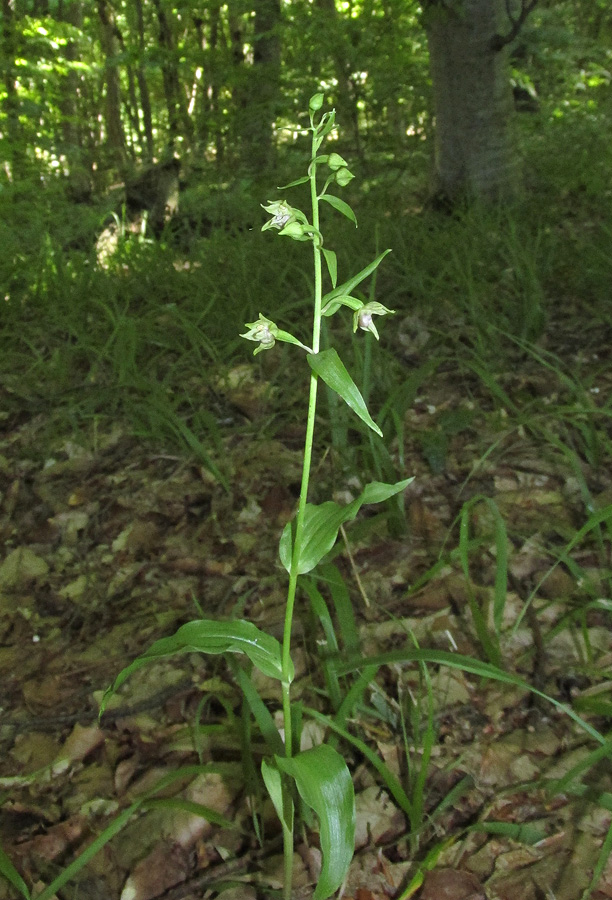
(451,884)
(20,567)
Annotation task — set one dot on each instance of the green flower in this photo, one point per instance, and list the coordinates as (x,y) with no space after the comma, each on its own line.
(363,317)
(281,214)
(266,333)
(263,332)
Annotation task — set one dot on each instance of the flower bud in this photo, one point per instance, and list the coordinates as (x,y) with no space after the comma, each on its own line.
(316,102)
(336,162)
(343,176)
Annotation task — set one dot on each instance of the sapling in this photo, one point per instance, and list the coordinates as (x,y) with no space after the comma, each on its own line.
(320,774)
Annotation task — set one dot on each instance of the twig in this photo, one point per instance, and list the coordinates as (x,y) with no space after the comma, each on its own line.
(499,41)
(366,599)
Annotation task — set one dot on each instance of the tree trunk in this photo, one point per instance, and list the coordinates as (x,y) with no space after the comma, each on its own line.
(175,100)
(259,112)
(14,148)
(78,169)
(474,156)
(114,127)
(143,87)
(335,42)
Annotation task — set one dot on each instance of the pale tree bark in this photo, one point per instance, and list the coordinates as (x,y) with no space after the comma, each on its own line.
(475,156)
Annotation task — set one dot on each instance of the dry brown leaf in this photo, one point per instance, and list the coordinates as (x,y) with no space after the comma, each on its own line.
(451,884)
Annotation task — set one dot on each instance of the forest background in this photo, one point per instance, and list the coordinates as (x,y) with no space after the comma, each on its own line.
(145,457)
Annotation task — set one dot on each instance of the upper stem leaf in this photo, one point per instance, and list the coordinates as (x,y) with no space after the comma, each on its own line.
(328,365)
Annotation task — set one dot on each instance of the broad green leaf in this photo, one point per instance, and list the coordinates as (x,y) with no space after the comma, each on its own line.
(321,526)
(8,870)
(348,286)
(391,781)
(379,491)
(324,783)
(332,265)
(341,206)
(328,365)
(322,523)
(209,636)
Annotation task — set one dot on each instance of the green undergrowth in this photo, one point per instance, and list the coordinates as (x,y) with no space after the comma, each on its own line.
(505,307)
(144,338)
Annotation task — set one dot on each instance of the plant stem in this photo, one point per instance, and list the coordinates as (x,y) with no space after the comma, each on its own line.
(299,527)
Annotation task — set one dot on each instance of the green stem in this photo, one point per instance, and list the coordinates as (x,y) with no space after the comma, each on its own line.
(299,527)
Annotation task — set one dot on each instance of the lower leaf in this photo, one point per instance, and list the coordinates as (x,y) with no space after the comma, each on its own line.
(324,783)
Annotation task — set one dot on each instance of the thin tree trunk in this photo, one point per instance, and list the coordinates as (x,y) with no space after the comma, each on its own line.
(143,88)
(474,153)
(335,40)
(238,76)
(16,149)
(114,126)
(259,113)
(175,101)
(214,79)
(79,173)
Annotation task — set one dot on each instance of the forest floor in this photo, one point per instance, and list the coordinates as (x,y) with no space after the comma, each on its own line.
(111,544)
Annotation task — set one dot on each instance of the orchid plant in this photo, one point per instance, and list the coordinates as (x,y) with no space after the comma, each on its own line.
(319,774)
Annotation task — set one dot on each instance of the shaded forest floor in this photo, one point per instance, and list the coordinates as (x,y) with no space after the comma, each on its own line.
(111,543)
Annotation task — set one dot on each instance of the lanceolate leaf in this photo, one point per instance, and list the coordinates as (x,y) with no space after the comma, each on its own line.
(341,206)
(378,491)
(322,523)
(324,783)
(297,181)
(272,781)
(332,265)
(341,300)
(260,711)
(348,286)
(209,636)
(328,365)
